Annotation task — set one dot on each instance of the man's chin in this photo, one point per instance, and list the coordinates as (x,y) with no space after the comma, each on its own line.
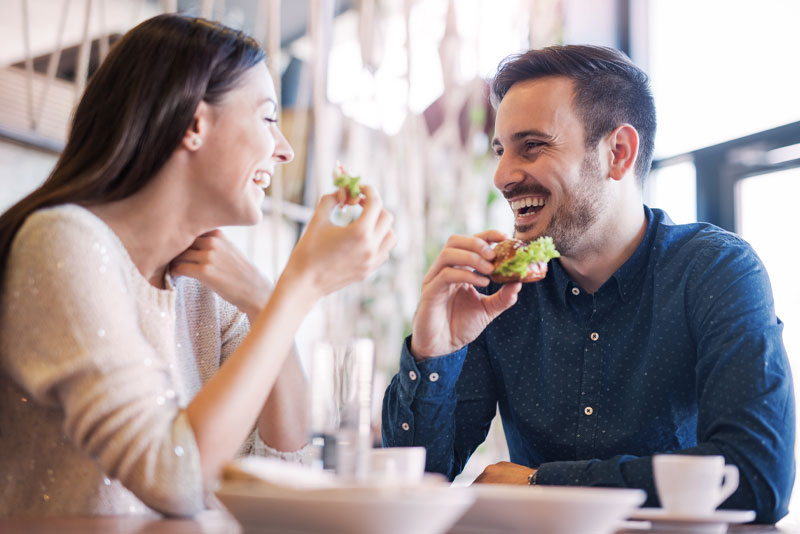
(526,232)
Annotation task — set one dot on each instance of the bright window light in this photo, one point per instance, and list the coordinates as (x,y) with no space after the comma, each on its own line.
(722,69)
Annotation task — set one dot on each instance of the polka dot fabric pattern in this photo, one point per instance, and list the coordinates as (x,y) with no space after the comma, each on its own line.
(679,351)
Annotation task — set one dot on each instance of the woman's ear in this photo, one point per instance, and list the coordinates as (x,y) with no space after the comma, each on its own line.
(201,122)
(623,148)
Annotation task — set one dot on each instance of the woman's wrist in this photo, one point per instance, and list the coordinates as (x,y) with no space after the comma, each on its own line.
(299,286)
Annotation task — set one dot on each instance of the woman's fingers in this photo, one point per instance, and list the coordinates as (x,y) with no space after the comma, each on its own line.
(373,207)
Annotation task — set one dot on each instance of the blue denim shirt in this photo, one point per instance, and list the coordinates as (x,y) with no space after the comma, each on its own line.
(680,350)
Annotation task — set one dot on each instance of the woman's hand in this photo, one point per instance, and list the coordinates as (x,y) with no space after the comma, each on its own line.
(451,312)
(216,262)
(329,257)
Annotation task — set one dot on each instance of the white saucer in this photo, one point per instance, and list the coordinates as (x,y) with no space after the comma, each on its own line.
(716,522)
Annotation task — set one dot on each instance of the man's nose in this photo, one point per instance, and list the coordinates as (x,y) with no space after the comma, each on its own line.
(505,176)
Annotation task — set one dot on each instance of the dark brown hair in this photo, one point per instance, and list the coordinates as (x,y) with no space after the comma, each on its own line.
(609,90)
(135,111)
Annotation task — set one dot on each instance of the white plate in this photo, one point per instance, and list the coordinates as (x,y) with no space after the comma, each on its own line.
(664,521)
(547,509)
(419,509)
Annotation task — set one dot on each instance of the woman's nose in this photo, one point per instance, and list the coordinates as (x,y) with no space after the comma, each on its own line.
(283,150)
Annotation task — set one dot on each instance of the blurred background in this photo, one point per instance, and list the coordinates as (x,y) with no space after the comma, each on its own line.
(397,91)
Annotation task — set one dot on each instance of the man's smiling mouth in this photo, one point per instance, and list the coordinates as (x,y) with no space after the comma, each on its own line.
(527,205)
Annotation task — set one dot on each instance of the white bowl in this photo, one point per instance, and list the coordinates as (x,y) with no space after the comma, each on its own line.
(418,509)
(548,509)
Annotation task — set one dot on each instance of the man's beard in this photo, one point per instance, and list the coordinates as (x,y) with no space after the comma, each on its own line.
(580,210)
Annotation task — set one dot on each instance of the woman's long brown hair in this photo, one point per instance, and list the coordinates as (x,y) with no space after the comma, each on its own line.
(135,111)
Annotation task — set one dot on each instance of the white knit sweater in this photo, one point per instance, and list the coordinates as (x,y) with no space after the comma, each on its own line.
(97,368)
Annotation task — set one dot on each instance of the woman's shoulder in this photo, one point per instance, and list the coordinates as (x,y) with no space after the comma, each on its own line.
(67,236)
(63,220)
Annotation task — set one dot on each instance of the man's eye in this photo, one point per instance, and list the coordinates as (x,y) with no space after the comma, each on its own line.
(498,152)
(532,145)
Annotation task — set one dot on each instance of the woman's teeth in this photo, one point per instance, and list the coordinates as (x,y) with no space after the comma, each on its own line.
(261,179)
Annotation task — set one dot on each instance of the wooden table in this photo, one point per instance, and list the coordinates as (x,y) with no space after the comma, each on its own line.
(219,522)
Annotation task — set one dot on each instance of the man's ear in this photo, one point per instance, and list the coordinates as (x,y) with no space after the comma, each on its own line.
(623,148)
(197,131)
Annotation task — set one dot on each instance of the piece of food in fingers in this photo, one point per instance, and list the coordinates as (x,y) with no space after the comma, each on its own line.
(347,183)
(517,262)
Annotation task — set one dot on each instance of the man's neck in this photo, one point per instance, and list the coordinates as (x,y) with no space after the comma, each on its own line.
(607,249)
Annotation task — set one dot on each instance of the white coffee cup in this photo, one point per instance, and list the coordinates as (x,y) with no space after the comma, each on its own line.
(397,465)
(693,485)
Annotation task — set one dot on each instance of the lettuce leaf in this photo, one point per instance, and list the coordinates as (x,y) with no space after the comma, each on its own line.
(350,182)
(542,249)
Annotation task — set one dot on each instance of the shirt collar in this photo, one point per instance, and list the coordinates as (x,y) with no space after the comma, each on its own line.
(628,276)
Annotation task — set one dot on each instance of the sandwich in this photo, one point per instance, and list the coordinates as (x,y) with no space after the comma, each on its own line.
(517,262)
(348,185)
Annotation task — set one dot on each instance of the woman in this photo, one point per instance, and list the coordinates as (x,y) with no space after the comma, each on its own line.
(120,299)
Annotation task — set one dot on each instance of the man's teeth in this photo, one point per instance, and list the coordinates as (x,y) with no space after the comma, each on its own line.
(526,202)
(261,178)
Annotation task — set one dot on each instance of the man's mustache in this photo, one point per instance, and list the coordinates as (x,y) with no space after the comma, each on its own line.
(525,189)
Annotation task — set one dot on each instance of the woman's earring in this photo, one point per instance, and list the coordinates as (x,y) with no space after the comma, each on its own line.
(196,142)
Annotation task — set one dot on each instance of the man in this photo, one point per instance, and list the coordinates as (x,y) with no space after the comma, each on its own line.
(645,336)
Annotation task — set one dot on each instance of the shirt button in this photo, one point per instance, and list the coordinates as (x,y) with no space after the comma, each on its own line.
(405,426)
(595,336)
(433,377)
(576,291)
(588,410)
(412,375)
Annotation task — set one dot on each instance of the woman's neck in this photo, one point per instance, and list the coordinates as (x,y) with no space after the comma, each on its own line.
(152,226)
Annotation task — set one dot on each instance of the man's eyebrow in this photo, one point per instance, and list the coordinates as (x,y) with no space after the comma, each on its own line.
(523,134)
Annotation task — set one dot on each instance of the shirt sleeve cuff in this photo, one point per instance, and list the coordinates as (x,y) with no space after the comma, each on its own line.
(432,377)
(563,473)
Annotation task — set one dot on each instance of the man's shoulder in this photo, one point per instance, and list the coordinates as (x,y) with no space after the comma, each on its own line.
(693,239)
(700,246)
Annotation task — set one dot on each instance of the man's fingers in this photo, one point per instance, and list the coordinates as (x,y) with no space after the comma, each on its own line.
(454,275)
(491,236)
(502,300)
(471,242)
(455,257)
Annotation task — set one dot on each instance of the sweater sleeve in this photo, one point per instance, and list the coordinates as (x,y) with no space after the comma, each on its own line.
(80,347)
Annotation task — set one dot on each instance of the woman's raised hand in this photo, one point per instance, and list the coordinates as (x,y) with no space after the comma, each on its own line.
(214,260)
(329,257)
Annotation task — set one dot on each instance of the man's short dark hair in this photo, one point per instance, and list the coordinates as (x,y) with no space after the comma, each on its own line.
(609,90)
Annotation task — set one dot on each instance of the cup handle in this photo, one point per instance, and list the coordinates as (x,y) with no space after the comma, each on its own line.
(730,483)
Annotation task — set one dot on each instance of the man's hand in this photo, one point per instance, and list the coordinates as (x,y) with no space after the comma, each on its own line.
(505,473)
(451,312)
(216,262)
